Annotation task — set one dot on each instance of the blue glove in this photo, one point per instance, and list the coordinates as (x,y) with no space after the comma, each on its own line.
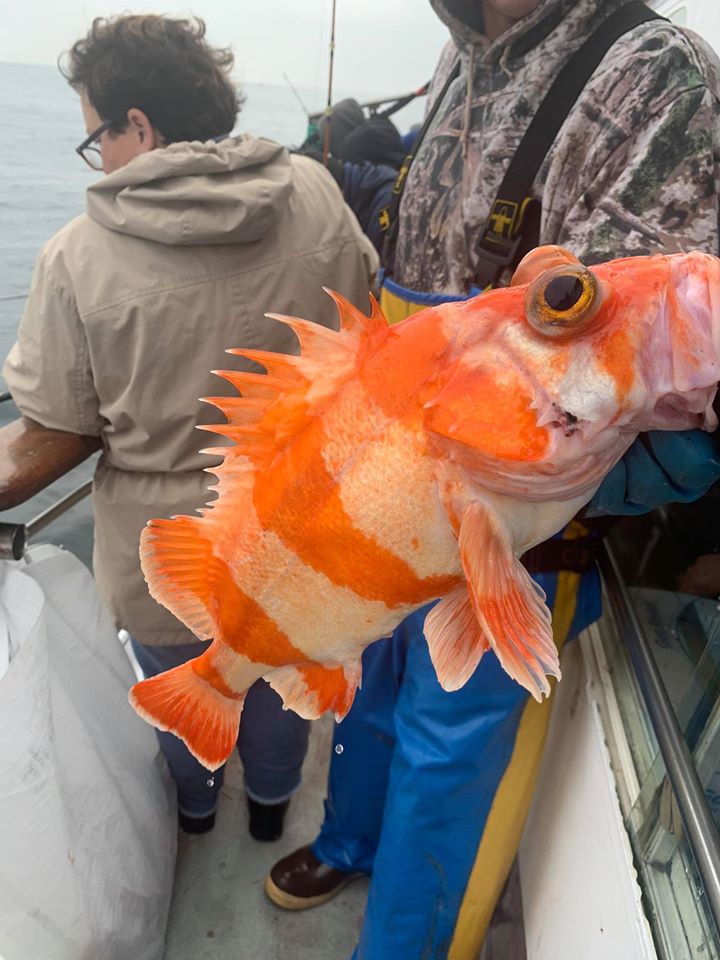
(660,467)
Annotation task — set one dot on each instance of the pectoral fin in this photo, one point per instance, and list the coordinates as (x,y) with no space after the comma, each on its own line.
(509,606)
(455,639)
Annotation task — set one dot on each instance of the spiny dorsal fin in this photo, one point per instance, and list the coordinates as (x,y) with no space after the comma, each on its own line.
(275,406)
(283,366)
(238,409)
(177,556)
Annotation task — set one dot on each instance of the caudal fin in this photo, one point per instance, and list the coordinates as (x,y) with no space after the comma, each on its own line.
(182,703)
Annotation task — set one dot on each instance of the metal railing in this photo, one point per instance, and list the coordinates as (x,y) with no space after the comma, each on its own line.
(14,536)
(700,830)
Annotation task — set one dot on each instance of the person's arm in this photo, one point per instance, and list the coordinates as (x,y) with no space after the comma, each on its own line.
(367,188)
(48,371)
(657,192)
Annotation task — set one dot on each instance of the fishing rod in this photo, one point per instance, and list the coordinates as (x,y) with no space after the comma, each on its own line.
(396,103)
(297,96)
(328,107)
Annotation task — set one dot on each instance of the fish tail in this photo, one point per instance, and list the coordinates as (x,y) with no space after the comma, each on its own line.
(205,714)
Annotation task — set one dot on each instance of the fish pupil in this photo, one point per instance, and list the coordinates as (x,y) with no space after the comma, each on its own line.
(562,293)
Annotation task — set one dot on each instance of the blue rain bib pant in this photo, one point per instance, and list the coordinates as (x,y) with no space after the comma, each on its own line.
(430,790)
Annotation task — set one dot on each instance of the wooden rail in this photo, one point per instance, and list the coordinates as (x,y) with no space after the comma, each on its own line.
(32,457)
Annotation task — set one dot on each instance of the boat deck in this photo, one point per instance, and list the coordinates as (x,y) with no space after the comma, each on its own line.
(219,910)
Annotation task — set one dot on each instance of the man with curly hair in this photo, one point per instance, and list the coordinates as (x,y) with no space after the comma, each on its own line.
(191,235)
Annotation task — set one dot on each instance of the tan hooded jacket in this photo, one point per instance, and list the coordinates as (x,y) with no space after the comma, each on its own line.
(134,303)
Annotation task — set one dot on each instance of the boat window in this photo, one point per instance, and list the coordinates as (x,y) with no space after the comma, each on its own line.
(671,569)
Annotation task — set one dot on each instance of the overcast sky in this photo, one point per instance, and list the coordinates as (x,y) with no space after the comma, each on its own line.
(384,46)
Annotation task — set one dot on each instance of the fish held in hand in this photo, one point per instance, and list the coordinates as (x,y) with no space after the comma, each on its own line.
(386,467)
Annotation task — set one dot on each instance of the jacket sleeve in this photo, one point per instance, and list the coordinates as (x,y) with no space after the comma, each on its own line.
(367,188)
(658,191)
(660,467)
(48,370)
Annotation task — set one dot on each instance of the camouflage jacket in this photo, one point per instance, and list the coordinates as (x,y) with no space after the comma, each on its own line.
(635,167)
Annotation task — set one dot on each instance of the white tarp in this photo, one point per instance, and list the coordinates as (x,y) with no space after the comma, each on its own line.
(88,826)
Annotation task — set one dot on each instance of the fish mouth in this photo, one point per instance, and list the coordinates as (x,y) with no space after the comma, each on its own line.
(568,422)
(559,419)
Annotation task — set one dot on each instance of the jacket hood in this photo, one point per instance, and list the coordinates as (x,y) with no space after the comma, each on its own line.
(197,193)
(465,21)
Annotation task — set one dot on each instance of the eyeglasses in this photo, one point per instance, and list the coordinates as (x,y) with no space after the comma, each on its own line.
(89,152)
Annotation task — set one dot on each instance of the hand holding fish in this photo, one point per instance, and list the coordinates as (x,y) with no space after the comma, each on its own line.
(389,466)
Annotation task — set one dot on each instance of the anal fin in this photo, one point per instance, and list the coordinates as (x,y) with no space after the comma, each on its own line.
(455,639)
(311,689)
(510,607)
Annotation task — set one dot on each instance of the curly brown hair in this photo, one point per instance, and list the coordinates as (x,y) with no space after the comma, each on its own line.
(161,66)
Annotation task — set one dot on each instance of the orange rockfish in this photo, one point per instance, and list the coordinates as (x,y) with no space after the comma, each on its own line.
(388,466)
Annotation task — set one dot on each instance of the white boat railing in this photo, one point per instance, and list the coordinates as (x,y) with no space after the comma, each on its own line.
(15,535)
(700,830)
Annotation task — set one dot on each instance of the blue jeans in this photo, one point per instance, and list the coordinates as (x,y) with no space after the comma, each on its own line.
(272,741)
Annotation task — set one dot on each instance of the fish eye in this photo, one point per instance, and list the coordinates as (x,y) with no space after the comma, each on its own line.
(563,293)
(562,302)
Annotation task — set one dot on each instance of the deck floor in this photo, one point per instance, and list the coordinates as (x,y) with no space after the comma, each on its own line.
(219,910)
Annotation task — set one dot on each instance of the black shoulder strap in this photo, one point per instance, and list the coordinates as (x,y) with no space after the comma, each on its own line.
(389,214)
(501,243)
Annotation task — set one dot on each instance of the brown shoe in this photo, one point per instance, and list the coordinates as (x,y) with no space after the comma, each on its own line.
(300,880)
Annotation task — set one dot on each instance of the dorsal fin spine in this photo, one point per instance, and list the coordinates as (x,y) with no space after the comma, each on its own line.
(260,385)
(310,334)
(238,409)
(377,317)
(353,320)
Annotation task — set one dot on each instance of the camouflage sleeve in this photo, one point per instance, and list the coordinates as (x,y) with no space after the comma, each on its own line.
(658,191)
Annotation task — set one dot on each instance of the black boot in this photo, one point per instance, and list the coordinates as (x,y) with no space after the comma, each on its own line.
(266,819)
(196,824)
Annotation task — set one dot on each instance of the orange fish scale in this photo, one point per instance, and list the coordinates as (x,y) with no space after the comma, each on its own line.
(398,376)
(206,668)
(244,626)
(302,506)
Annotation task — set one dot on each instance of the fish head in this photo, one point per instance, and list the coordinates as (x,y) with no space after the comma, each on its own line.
(545,383)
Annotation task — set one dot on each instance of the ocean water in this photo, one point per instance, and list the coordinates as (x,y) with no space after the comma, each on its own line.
(42,186)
